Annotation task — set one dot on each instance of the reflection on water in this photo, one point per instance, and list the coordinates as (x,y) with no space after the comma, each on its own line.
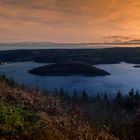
(123,76)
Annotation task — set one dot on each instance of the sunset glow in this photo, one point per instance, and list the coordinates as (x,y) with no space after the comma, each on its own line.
(69,20)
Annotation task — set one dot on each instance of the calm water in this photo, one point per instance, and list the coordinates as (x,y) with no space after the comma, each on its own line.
(123,76)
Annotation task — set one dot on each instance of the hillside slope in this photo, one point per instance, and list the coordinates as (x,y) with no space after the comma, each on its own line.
(29,114)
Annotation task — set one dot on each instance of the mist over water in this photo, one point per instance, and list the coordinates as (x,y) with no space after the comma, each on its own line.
(123,77)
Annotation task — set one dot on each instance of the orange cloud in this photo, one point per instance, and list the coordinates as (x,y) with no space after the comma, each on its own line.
(68,20)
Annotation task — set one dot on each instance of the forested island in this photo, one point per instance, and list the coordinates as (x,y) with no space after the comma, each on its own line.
(137,66)
(67,69)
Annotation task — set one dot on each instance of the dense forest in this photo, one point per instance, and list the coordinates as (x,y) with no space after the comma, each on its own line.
(33,114)
(89,56)
(68,68)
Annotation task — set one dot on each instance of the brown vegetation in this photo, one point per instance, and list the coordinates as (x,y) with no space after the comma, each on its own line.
(52,120)
(30,114)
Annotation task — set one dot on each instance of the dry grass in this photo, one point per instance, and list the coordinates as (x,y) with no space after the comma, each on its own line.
(34,116)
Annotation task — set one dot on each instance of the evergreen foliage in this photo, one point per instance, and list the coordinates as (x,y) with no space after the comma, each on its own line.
(31,114)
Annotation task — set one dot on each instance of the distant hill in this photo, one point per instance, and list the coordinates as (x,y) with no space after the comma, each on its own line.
(68,68)
(89,56)
(134,41)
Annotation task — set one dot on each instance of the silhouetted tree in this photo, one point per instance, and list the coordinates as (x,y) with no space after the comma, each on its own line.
(62,94)
(137,98)
(98,97)
(131,93)
(119,99)
(56,93)
(75,98)
(67,97)
(105,97)
(84,96)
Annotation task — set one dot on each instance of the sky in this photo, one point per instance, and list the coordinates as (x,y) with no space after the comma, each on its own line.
(69,21)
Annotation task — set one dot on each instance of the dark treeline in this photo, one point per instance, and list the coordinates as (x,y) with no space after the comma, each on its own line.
(120,114)
(89,56)
(127,102)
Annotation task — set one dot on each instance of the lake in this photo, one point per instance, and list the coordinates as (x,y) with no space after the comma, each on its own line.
(123,77)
